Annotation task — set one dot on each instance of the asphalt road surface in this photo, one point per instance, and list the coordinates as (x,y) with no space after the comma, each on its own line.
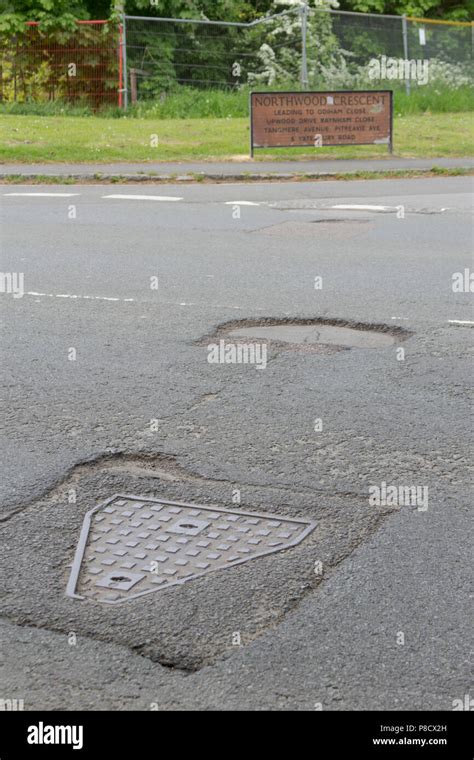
(107,389)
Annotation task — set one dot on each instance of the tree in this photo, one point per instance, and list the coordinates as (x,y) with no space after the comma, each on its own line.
(50,13)
(456,10)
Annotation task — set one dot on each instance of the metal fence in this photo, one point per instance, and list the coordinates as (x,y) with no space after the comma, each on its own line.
(100,63)
(307,46)
(81,66)
(162,53)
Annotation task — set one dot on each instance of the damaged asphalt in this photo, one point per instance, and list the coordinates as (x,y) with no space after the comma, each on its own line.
(140,410)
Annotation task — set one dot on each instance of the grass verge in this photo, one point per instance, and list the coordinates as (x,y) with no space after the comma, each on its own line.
(33,139)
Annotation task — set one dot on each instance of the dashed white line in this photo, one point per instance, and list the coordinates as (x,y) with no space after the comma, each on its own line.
(163,198)
(241,203)
(73,296)
(360,207)
(43,195)
(460,322)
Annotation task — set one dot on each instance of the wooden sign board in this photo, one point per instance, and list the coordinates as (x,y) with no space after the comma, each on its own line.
(317,119)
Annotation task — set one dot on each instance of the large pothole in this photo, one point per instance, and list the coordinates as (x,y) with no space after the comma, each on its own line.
(317,335)
(186,625)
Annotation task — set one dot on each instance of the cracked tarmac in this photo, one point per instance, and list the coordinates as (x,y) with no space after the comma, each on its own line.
(141,411)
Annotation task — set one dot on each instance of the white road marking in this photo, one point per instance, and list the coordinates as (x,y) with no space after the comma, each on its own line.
(44,195)
(360,207)
(460,322)
(73,296)
(241,203)
(144,197)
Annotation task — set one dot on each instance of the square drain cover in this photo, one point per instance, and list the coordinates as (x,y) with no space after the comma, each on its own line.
(131,546)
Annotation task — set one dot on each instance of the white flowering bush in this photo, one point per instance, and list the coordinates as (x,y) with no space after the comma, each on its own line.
(342,75)
(280,53)
(272,71)
(338,75)
(452,75)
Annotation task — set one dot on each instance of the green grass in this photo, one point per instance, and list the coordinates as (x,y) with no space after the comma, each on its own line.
(191,103)
(434,100)
(83,139)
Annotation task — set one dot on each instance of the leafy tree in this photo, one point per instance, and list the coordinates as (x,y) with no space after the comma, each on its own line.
(229,10)
(456,10)
(50,13)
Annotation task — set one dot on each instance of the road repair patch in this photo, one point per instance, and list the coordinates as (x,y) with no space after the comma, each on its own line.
(194,624)
(130,546)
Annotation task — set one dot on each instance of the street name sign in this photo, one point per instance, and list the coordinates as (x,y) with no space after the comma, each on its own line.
(318,119)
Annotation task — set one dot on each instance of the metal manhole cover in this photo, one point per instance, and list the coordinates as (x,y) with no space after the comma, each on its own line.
(131,546)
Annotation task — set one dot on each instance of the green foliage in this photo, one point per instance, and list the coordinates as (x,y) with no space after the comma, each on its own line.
(455,10)
(35,62)
(52,14)
(230,10)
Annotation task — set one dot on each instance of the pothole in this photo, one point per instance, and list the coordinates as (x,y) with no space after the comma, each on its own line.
(187,624)
(317,335)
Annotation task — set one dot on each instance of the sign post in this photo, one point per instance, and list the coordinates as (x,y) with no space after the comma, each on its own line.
(319,119)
